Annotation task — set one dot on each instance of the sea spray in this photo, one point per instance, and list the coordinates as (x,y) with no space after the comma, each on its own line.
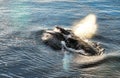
(85,28)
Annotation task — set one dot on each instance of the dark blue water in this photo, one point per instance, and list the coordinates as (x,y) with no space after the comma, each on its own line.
(23,55)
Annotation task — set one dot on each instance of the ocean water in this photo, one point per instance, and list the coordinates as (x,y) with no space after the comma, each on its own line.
(23,55)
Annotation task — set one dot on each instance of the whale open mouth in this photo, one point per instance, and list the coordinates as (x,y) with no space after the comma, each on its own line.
(59,38)
(75,40)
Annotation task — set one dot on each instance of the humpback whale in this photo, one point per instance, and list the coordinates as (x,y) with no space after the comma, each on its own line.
(75,39)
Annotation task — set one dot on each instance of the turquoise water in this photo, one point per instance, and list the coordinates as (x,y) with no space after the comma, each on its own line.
(23,55)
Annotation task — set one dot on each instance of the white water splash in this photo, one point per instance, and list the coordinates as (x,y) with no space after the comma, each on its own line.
(86,27)
(66,60)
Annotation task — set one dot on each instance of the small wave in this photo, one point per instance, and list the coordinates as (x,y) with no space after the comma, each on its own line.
(93,61)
